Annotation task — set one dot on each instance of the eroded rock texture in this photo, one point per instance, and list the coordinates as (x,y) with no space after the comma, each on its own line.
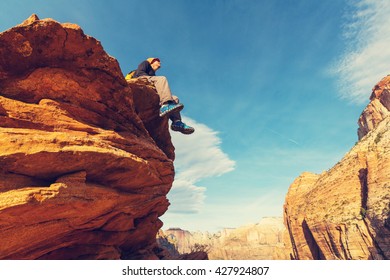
(85,161)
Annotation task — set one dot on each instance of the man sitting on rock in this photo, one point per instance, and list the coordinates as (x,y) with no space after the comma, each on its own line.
(169,103)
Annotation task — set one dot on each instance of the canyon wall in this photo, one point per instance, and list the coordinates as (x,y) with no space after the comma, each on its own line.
(344,213)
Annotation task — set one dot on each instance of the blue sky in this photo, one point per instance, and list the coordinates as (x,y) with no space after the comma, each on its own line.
(273,88)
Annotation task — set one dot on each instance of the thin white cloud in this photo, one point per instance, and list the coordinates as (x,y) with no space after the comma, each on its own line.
(186,198)
(198,156)
(367,59)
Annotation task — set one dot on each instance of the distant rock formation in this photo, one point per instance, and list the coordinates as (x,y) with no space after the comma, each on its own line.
(344,213)
(85,161)
(170,251)
(265,240)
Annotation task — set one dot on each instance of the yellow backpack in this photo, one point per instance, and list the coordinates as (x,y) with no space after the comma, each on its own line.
(130,75)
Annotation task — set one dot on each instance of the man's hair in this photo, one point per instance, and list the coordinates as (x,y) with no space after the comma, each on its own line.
(153,59)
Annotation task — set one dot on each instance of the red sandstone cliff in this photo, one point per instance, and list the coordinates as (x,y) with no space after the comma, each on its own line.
(85,161)
(344,213)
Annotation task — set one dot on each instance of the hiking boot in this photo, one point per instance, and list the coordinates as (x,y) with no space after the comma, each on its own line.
(182,127)
(170,107)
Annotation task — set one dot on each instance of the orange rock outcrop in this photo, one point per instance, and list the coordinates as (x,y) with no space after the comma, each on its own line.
(377,110)
(85,161)
(344,213)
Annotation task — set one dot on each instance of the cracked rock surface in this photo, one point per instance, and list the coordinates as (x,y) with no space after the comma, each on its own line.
(83,173)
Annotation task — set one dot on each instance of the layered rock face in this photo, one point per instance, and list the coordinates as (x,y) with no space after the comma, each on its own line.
(344,213)
(263,241)
(85,161)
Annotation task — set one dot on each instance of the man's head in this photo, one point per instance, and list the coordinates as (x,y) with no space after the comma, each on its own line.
(155,63)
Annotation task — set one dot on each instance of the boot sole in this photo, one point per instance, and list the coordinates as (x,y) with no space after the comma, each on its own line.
(184,131)
(176,109)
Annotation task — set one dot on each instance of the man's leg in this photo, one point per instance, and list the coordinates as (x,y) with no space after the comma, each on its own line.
(162,87)
(177,124)
(167,103)
(175,116)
